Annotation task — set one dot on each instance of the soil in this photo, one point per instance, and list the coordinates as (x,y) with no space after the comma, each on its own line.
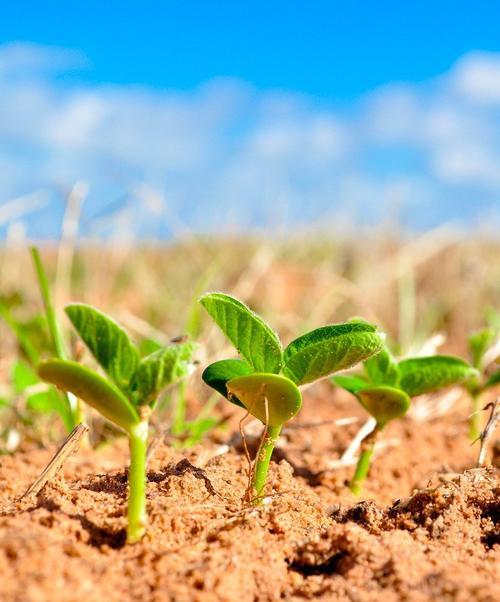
(425,528)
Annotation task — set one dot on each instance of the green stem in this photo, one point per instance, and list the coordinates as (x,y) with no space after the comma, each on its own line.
(55,332)
(475,418)
(364,462)
(75,409)
(263,459)
(137,518)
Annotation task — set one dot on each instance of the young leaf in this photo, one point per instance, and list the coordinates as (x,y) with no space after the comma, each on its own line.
(251,336)
(478,344)
(219,373)
(425,374)
(382,368)
(384,403)
(350,382)
(90,386)
(108,342)
(328,349)
(282,397)
(161,369)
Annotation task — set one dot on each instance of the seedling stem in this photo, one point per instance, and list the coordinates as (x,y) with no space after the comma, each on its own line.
(364,462)
(138,441)
(263,459)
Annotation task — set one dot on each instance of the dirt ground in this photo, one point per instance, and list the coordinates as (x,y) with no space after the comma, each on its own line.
(423,530)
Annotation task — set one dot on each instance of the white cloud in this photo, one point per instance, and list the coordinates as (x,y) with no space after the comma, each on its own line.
(477,77)
(227,153)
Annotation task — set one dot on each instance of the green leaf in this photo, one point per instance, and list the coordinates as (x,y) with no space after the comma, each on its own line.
(425,374)
(282,395)
(384,403)
(382,368)
(107,341)
(160,369)
(329,349)
(493,380)
(251,336)
(23,376)
(219,373)
(479,343)
(90,386)
(350,382)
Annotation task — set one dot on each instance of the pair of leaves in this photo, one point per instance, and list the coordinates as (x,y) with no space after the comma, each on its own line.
(133,381)
(271,398)
(417,375)
(314,355)
(389,384)
(254,382)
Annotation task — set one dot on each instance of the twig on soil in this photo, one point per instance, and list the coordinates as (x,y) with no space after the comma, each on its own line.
(488,431)
(69,447)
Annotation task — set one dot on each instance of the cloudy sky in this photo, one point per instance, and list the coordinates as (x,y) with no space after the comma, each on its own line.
(208,115)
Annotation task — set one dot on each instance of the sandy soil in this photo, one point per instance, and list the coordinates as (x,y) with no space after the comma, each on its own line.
(423,530)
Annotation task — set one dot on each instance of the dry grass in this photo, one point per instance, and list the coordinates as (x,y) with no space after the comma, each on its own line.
(433,283)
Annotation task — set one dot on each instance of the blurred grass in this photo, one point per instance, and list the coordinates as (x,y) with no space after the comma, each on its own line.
(438,282)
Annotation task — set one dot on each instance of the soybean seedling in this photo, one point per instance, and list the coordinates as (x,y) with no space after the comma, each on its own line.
(265,382)
(483,349)
(127,397)
(385,389)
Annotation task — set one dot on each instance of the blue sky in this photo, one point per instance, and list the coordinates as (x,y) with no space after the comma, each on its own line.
(229,113)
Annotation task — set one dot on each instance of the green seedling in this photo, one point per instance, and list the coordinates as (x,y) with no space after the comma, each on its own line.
(481,343)
(265,382)
(128,395)
(385,389)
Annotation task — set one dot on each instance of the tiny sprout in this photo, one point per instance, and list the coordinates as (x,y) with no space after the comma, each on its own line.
(386,388)
(127,397)
(265,382)
(483,349)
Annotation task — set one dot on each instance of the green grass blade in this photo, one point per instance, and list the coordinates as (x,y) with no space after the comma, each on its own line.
(53,323)
(257,343)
